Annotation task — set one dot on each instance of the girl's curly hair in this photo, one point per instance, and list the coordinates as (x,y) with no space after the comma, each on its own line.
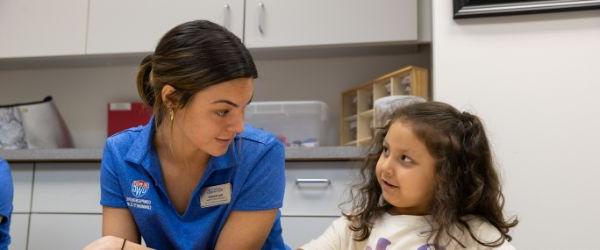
(466,182)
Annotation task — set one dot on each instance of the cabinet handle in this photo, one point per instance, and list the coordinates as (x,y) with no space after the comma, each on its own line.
(313,181)
(227,16)
(261,17)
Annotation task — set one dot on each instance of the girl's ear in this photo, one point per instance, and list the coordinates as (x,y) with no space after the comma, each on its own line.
(166,95)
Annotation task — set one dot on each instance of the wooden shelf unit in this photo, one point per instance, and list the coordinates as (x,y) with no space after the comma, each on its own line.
(357,103)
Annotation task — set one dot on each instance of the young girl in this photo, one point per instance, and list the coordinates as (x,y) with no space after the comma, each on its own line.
(429,183)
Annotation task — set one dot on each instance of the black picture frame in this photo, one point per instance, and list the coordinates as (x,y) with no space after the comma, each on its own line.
(483,8)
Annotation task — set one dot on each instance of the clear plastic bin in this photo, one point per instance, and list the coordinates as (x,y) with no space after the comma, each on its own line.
(296,123)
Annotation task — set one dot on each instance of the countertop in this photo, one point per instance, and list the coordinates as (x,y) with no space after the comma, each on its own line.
(94,154)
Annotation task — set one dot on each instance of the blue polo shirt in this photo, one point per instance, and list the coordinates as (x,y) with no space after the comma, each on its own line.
(6,207)
(252,168)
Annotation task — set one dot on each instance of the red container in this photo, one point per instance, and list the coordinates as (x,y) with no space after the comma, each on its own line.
(124,115)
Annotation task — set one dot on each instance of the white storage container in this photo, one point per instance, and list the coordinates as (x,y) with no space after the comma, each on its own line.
(296,123)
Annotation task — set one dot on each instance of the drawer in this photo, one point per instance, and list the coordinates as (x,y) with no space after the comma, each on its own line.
(22,174)
(298,231)
(18,231)
(318,188)
(67,188)
(63,231)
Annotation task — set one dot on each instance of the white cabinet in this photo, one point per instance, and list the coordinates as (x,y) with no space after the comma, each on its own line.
(35,28)
(275,23)
(63,231)
(313,194)
(317,188)
(117,26)
(18,231)
(298,231)
(66,188)
(22,174)
(57,204)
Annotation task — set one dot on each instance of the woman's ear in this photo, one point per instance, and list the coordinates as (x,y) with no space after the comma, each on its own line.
(166,95)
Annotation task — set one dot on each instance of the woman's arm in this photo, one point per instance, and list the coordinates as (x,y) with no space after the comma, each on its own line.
(118,230)
(257,203)
(119,222)
(246,229)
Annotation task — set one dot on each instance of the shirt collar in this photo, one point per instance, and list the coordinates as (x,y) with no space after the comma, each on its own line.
(143,153)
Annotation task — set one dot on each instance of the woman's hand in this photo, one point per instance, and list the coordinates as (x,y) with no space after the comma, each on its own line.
(106,243)
(113,243)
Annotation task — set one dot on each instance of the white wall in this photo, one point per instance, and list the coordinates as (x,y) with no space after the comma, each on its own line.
(534,80)
(81,92)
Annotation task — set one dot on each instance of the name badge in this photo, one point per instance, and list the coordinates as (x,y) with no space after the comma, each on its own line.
(215,195)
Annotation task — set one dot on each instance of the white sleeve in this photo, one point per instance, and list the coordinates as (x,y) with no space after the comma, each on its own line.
(505,246)
(334,238)
(487,232)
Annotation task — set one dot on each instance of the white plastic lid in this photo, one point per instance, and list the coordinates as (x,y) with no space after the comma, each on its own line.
(384,107)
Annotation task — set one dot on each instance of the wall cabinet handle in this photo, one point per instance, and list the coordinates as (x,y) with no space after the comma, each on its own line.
(261,18)
(227,16)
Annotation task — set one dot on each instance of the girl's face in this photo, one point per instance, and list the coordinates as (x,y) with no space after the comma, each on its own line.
(405,171)
(214,116)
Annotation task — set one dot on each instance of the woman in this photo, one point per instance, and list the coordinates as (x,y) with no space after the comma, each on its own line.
(6,206)
(194,177)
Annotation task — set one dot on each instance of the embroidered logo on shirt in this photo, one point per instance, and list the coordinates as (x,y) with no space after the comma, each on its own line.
(139,203)
(139,188)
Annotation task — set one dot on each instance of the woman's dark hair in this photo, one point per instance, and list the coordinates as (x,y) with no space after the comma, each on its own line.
(191,57)
(466,182)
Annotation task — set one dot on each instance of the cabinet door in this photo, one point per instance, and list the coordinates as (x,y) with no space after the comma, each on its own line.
(42,28)
(66,188)
(18,231)
(117,26)
(63,231)
(22,174)
(298,231)
(275,23)
(317,188)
